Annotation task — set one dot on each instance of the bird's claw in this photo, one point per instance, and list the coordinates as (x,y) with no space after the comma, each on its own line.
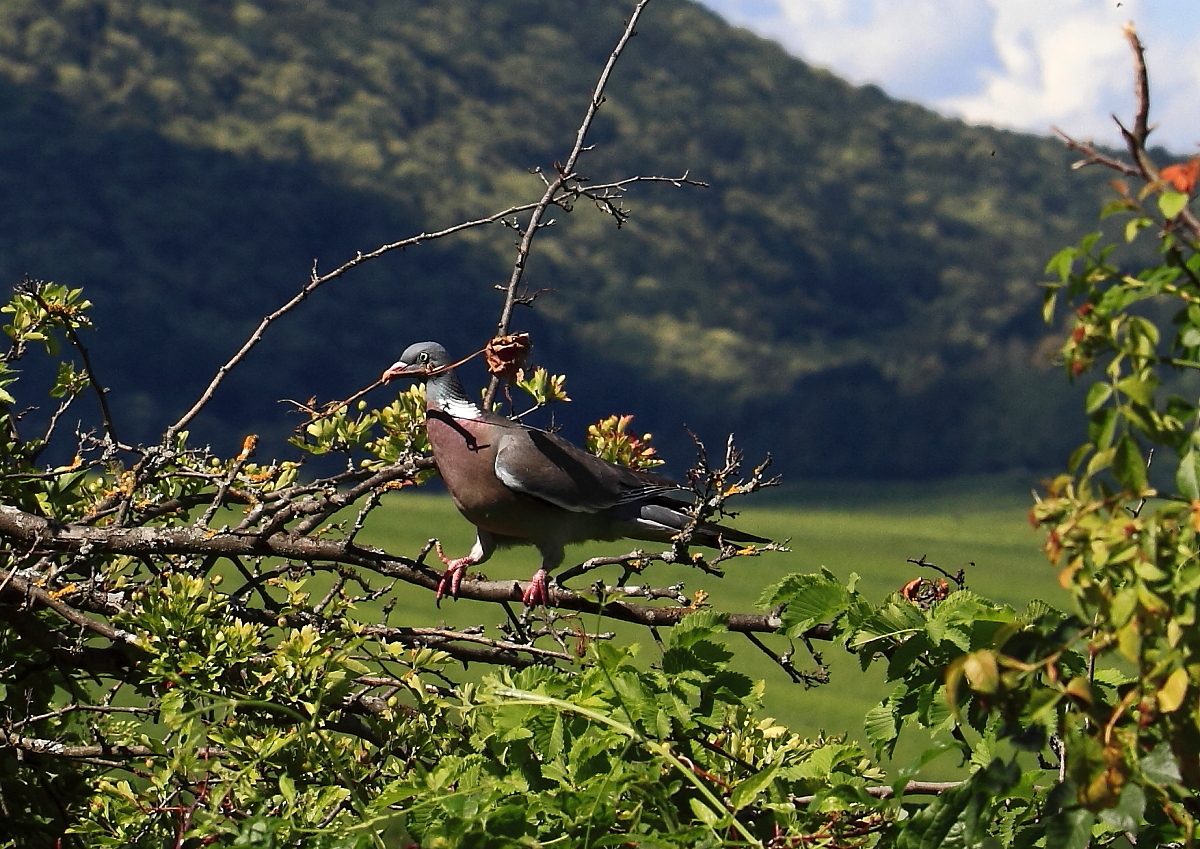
(538,591)
(452,577)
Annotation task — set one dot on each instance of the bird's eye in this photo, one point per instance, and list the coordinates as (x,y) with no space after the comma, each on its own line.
(424,358)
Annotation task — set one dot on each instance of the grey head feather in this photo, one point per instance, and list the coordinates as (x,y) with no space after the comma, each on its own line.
(444,390)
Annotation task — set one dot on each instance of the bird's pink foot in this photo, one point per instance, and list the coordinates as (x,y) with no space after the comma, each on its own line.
(538,591)
(452,577)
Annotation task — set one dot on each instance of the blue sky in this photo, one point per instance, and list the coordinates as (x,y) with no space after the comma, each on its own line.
(1023,64)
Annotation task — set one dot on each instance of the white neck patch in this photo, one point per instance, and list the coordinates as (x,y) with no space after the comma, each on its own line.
(460,409)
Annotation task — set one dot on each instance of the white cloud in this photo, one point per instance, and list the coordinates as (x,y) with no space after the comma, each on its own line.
(1026,64)
(1061,63)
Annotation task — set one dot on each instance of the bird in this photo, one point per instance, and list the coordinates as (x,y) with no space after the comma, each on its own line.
(520,485)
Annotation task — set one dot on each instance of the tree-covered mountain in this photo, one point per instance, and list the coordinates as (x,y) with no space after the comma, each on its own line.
(860,272)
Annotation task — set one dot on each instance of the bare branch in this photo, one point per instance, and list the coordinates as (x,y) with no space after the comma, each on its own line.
(1143,166)
(444,638)
(1141,90)
(1093,156)
(311,286)
(15,585)
(566,171)
(913,788)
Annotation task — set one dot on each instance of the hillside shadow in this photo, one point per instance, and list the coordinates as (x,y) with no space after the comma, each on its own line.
(183,249)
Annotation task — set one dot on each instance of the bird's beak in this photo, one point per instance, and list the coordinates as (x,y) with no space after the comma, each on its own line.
(399,369)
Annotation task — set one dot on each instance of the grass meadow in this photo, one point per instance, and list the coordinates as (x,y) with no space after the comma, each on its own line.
(868,529)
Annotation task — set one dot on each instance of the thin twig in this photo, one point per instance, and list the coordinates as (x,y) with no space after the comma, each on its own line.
(311,286)
(14,583)
(913,788)
(566,171)
(101,393)
(1141,89)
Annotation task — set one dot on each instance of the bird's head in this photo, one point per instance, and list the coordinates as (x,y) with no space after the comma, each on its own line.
(422,359)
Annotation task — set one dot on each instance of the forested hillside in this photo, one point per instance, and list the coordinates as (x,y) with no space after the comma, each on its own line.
(860,269)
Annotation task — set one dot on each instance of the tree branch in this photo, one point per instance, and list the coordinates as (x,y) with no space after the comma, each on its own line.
(157,542)
(14,585)
(913,788)
(311,286)
(566,171)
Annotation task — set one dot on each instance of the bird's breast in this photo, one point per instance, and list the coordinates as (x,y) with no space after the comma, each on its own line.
(465,453)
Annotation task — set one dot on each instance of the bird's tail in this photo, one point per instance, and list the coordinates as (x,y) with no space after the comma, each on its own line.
(665,522)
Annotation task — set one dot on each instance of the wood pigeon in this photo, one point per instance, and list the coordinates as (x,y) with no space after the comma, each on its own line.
(519,485)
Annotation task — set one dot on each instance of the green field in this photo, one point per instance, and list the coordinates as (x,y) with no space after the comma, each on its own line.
(867,529)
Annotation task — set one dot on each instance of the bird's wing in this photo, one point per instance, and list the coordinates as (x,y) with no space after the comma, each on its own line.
(545,466)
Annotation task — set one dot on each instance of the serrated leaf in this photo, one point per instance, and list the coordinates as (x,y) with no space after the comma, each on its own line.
(809,600)
(881,726)
(929,826)
(696,626)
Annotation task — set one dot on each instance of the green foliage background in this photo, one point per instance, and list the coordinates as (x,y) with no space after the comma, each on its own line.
(856,259)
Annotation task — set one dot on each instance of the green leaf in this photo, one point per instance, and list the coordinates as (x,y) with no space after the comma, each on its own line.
(1102,427)
(882,725)
(1190,338)
(1187,476)
(1127,815)
(1078,455)
(1097,395)
(704,813)
(1070,829)
(743,794)
(808,600)
(287,788)
(1159,765)
(930,826)
(1133,226)
(1140,391)
(1060,264)
(1128,465)
(982,672)
(1114,207)
(1171,203)
(1049,301)
(695,627)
